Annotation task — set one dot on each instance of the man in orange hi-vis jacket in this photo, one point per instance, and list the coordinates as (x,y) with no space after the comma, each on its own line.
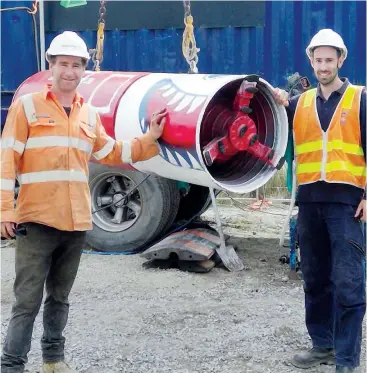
(47,142)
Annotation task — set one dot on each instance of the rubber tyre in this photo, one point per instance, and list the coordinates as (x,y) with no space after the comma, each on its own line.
(174,200)
(154,215)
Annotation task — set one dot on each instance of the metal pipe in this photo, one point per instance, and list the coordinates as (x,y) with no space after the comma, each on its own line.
(42,34)
(190,100)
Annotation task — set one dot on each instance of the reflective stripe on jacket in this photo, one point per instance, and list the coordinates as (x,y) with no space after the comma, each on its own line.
(334,156)
(49,151)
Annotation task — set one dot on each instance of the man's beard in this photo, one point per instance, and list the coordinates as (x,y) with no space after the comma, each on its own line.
(327,80)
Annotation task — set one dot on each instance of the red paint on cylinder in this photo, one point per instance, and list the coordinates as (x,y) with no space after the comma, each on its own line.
(180,129)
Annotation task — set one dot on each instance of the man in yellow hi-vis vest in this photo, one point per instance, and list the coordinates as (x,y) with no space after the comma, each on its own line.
(329,132)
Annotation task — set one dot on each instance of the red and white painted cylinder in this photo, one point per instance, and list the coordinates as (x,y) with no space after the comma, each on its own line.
(223,131)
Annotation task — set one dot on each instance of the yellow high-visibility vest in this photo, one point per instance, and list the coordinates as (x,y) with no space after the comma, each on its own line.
(334,156)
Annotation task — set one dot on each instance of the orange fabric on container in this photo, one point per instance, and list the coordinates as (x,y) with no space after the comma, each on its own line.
(48,151)
(334,156)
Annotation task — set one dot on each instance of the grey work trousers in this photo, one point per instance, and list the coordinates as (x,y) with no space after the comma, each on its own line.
(45,256)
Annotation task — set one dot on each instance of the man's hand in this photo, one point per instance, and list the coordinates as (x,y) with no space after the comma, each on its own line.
(281,96)
(361,211)
(7,229)
(157,123)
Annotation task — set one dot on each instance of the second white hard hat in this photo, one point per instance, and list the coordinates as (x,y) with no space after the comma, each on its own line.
(329,38)
(68,43)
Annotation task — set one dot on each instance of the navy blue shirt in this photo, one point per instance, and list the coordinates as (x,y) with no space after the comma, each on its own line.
(67,110)
(322,191)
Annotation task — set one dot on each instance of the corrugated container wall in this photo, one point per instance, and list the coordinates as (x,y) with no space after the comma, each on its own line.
(274,51)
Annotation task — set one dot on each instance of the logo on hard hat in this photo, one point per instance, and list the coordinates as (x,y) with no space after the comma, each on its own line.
(68,46)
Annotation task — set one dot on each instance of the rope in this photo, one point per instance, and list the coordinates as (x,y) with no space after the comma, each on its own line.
(35,7)
(189,49)
(97,53)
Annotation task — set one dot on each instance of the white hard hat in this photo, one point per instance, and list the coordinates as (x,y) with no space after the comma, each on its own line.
(327,38)
(68,44)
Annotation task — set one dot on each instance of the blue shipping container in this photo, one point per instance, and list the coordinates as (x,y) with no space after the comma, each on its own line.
(274,51)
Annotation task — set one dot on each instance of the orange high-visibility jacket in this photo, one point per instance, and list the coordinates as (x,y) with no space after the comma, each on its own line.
(334,156)
(48,152)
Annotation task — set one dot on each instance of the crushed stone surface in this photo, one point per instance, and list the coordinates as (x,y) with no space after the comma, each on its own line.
(128,319)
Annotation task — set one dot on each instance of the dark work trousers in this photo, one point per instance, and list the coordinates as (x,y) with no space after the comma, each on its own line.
(45,256)
(333,262)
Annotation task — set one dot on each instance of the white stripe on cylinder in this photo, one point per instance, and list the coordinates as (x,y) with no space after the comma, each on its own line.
(29,108)
(126,152)
(107,149)
(62,141)
(7,184)
(47,176)
(10,142)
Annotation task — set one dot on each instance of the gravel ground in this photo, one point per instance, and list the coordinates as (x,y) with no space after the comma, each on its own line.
(124,318)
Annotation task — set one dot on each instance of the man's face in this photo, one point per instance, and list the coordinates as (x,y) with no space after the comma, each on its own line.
(67,72)
(325,63)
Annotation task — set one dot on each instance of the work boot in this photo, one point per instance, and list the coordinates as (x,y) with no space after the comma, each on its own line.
(315,356)
(344,370)
(60,367)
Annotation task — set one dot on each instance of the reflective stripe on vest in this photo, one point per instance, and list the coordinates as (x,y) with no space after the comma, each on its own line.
(332,166)
(126,152)
(335,155)
(47,176)
(7,184)
(332,145)
(72,142)
(92,117)
(109,145)
(62,141)
(48,142)
(11,143)
(107,149)
(29,109)
(54,141)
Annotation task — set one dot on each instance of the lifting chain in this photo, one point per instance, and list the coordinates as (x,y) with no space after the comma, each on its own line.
(189,49)
(97,54)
